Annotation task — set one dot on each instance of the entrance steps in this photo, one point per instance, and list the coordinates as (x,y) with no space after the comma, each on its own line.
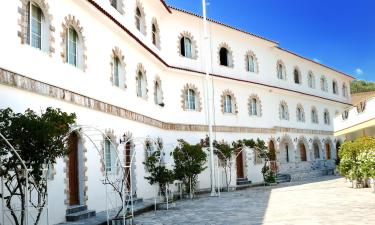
(78,212)
(283,178)
(243,181)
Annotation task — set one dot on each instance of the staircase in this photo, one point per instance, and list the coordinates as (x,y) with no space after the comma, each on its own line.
(78,212)
(243,181)
(282,178)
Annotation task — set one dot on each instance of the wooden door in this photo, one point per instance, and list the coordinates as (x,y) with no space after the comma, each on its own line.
(128,157)
(302,150)
(73,170)
(328,151)
(239,164)
(271,148)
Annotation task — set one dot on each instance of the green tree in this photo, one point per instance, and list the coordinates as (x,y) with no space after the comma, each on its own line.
(358,86)
(39,140)
(189,162)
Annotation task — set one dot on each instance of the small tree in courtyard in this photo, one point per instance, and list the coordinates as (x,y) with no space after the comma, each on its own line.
(189,161)
(39,140)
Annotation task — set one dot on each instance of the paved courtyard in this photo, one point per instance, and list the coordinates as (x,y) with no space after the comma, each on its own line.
(326,200)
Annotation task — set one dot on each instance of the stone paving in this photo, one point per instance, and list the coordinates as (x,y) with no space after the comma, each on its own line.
(326,200)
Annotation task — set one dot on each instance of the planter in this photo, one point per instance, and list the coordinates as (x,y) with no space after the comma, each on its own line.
(120,221)
(165,206)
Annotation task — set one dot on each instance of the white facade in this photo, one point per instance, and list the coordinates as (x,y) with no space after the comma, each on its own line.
(29,78)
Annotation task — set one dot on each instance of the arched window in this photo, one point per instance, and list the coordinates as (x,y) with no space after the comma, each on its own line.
(297,76)
(335,87)
(300,113)
(35,30)
(302,152)
(345,115)
(158,93)
(326,117)
(141,84)
(251,62)
(186,47)
(314,116)
(117,68)
(140,20)
(224,57)
(253,107)
(284,114)
(287,152)
(117,4)
(281,72)
(109,156)
(116,71)
(228,104)
(344,90)
(190,102)
(72,47)
(323,84)
(155,35)
(311,80)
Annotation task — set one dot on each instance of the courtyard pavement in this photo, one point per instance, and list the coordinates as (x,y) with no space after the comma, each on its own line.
(325,200)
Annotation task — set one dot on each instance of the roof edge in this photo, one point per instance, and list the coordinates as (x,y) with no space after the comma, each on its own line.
(166,6)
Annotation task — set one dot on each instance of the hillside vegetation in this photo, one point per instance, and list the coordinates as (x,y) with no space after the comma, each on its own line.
(358,86)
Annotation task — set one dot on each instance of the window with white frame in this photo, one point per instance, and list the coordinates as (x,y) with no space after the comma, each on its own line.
(335,88)
(314,115)
(155,34)
(190,101)
(158,93)
(311,80)
(300,113)
(344,90)
(251,62)
(326,117)
(284,114)
(186,48)
(228,104)
(225,57)
(281,71)
(141,84)
(72,47)
(253,107)
(36,20)
(116,71)
(140,20)
(297,76)
(109,156)
(323,84)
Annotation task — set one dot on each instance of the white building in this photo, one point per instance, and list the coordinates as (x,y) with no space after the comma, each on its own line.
(137,67)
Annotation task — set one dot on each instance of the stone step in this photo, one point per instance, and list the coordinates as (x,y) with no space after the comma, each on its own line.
(283,178)
(243,181)
(80,215)
(75,208)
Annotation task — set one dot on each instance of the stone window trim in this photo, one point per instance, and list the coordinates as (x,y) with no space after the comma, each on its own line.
(256,62)
(280,62)
(230,55)
(259,105)
(116,52)
(296,68)
(283,103)
(85,169)
(158,40)
(198,98)
(24,26)
(300,107)
(71,21)
(143,28)
(109,133)
(194,46)
(313,109)
(158,81)
(227,92)
(140,68)
(120,6)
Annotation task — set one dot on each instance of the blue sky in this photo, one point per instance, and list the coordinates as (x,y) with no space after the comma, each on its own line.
(337,33)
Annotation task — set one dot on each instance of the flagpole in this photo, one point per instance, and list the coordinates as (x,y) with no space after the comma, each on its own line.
(208,93)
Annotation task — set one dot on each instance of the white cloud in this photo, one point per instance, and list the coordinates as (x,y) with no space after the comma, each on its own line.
(359,71)
(317,60)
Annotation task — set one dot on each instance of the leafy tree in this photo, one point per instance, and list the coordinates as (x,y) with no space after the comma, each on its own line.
(39,140)
(189,161)
(358,86)
(154,165)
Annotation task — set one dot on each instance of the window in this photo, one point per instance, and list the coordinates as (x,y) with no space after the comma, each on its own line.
(140,20)
(155,35)
(281,74)
(117,4)
(71,47)
(190,100)
(323,84)
(287,152)
(158,93)
(251,62)
(335,87)
(300,114)
(345,115)
(314,116)
(141,83)
(297,76)
(361,107)
(284,114)
(35,26)
(116,71)
(186,47)
(253,107)
(224,61)
(345,90)
(109,156)
(316,150)
(228,104)
(311,80)
(326,117)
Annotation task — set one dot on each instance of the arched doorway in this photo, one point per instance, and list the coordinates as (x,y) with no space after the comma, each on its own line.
(316,149)
(74,169)
(286,147)
(302,152)
(239,165)
(328,150)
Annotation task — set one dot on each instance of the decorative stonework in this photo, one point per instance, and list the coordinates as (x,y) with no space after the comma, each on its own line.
(234,106)
(85,168)
(280,62)
(283,103)
(27,84)
(140,68)
(116,52)
(158,81)
(143,26)
(256,62)
(156,24)
(72,22)
(198,100)
(300,107)
(259,105)
(109,133)
(230,54)
(24,26)
(194,46)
